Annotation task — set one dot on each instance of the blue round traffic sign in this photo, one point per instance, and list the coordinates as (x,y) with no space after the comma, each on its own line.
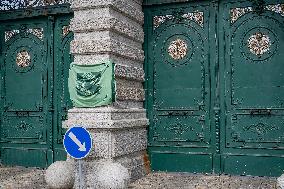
(77,142)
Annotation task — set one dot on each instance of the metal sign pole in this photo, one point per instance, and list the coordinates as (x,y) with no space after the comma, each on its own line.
(80,174)
(78,144)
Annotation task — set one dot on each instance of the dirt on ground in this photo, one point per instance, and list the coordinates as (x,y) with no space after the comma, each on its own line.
(21,178)
(32,178)
(194,181)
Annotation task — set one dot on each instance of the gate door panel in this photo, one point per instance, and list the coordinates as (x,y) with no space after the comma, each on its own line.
(215,81)
(254,88)
(26,117)
(179,71)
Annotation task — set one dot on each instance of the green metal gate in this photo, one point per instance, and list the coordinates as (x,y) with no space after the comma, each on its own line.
(215,86)
(35,60)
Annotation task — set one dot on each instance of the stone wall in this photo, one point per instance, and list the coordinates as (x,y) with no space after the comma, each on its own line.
(112,30)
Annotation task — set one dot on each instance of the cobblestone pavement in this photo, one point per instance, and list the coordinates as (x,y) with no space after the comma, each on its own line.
(31,178)
(21,178)
(190,181)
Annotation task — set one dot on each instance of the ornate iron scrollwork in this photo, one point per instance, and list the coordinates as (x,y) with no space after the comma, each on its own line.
(21,4)
(196,16)
(257,7)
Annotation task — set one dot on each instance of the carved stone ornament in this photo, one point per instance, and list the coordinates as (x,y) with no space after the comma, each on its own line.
(259,43)
(23,59)
(178,49)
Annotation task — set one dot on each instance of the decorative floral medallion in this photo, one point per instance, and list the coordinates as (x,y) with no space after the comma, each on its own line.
(23,59)
(259,43)
(178,49)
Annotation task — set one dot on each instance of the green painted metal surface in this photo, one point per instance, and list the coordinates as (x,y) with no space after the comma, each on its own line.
(34,70)
(214,81)
(92,85)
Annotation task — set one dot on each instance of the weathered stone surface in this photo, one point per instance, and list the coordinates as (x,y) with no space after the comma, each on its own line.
(94,174)
(112,30)
(106,19)
(86,59)
(128,104)
(129,7)
(106,46)
(115,132)
(137,163)
(106,113)
(280,181)
(112,175)
(127,93)
(123,69)
(60,175)
(113,124)
(107,35)
(117,145)
(131,73)
(109,144)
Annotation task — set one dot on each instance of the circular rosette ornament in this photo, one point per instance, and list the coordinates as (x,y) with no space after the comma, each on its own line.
(259,43)
(178,49)
(23,59)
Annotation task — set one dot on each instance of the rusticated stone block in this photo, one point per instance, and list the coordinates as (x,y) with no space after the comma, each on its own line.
(86,59)
(129,7)
(106,19)
(124,118)
(125,93)
(106,46)
(128,72)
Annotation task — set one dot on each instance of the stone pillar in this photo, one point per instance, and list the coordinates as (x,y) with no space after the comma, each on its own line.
(112,30)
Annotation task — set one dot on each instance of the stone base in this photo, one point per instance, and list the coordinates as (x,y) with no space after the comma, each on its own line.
(137,165)
(119,135)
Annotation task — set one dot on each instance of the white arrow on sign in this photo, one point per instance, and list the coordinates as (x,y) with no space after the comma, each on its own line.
(82,147)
